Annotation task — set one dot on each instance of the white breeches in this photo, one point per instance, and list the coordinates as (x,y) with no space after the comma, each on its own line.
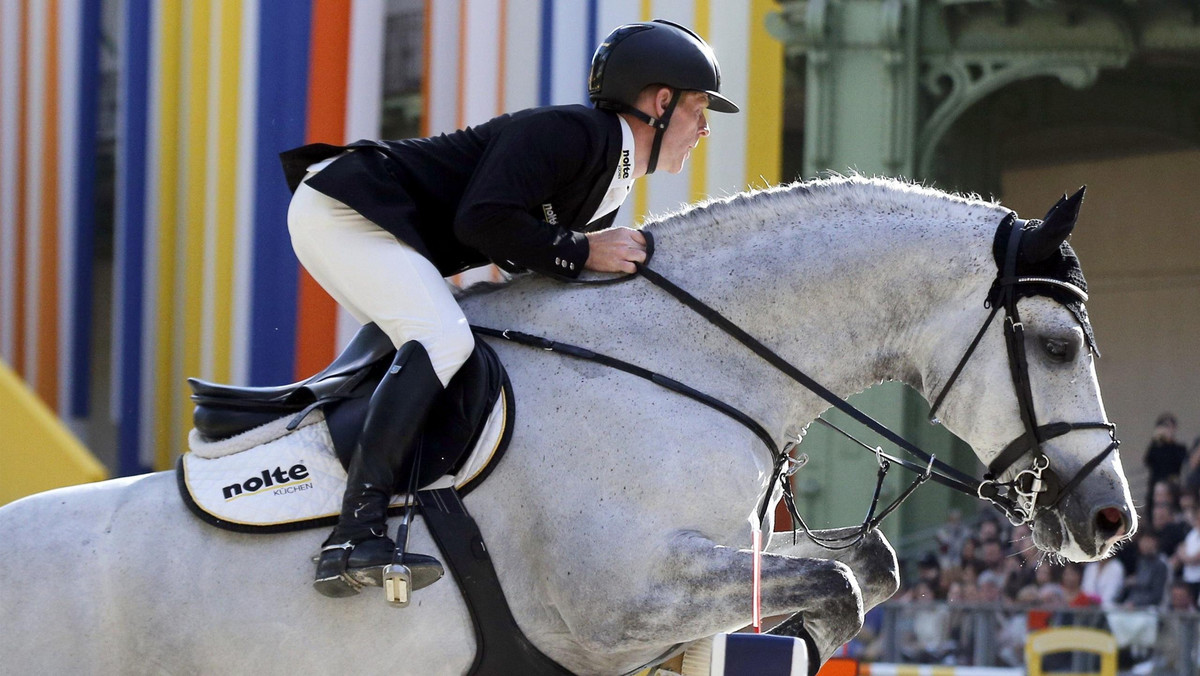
(379,279)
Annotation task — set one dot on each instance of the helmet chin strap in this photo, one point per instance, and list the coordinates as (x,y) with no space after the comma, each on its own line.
(659,124)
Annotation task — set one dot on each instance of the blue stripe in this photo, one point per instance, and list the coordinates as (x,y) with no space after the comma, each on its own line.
(85,213)
(589,45)
(131,234)
(284,34)
(546,60)
(750,654)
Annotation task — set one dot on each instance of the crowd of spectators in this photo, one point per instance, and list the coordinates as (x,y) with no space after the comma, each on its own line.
(987,561)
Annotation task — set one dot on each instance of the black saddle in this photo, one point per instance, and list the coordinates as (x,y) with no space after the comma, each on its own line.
(343,390)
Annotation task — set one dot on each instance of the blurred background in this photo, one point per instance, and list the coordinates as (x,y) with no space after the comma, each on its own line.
(142,209)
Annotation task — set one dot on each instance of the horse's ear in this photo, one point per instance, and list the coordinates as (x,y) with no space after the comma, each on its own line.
(1041,242)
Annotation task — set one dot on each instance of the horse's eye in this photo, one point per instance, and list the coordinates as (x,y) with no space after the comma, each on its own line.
(1058,350)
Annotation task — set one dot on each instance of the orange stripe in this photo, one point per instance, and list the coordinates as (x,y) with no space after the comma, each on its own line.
(327,78)
(47,354)
(426,68)
(460,109)
(22,133)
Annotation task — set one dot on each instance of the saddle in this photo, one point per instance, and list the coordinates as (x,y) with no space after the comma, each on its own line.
(342,391)
(454,427)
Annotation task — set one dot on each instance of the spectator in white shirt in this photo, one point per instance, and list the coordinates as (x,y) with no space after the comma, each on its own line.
(1104,580)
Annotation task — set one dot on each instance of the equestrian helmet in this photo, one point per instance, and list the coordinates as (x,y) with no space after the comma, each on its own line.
(637,55)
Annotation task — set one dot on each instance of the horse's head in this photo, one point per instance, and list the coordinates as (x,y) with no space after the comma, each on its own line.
(1027,399)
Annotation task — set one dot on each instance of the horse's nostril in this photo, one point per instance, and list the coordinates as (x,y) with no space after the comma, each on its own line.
(1111,523)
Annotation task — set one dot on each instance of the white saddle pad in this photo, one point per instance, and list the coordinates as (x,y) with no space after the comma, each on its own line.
(271,480)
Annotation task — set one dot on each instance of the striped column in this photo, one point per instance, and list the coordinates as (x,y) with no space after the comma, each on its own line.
(209,286)
(48,93)
(210,91)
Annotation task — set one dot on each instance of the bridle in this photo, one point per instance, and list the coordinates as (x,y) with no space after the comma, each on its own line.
(1031,491)
(1037,487)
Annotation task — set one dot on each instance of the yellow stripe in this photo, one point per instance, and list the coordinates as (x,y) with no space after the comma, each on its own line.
(699,161)
(167,171)
(226,200)
(641,192)
(190,254)
(764,133)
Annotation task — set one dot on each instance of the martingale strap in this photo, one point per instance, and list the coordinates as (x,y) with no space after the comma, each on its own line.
(782,457)
(784,465)
(943,473)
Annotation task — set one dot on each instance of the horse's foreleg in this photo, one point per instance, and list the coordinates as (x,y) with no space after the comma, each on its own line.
(703,588)
(873,560)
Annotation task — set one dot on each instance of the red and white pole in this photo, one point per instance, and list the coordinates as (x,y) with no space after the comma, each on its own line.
(757,602)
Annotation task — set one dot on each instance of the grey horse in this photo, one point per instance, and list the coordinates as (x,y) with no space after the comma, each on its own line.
(619,520)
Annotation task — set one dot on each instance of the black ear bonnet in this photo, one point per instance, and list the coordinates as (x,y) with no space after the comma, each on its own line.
(1052,262)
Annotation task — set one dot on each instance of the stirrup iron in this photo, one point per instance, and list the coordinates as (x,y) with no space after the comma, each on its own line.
(408,572)
(397,584)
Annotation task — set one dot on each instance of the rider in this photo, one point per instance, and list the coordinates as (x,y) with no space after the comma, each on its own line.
(380,223)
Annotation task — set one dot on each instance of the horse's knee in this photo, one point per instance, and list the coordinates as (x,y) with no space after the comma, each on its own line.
(879,571)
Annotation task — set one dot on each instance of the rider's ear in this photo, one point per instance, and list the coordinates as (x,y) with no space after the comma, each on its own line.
(662,100)
(1042,241)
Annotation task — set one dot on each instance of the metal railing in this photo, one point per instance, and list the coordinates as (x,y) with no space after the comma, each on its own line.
(993,635)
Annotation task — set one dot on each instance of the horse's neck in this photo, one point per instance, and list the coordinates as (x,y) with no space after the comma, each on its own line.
(851,296)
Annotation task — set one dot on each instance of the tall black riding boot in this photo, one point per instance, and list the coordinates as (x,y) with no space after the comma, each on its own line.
(357,551)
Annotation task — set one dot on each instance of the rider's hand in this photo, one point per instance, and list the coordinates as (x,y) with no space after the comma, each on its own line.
(615,250)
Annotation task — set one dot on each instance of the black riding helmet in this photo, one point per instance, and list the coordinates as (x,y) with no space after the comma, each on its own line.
(660,52)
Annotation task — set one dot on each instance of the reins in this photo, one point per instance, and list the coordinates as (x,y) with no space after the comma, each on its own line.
(784,465)
(1018,498)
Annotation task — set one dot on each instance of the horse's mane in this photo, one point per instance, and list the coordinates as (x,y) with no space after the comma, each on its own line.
(853,191)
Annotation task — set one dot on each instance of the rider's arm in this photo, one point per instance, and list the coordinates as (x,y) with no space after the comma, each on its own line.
(528,163)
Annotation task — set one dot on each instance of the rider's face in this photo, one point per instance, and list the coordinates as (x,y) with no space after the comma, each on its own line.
(688,125)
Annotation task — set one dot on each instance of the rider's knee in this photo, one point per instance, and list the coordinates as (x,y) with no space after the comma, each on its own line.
(458,342)
(449,349)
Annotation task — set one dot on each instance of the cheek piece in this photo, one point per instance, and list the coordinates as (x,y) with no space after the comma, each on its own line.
(660,131)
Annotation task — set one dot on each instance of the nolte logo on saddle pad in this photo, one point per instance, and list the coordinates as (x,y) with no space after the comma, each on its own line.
(281,481)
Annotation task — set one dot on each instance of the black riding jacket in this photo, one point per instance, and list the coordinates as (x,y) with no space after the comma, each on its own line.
(517,190)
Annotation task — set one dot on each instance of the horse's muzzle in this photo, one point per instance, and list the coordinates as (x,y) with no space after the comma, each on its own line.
(1082,534)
